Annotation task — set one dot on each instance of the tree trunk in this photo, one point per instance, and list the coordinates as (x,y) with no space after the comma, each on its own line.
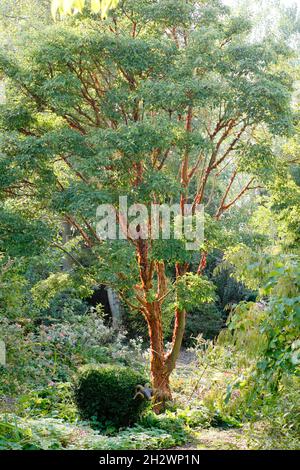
(160,374)
(161,386)
(162,364)
(115,308)
(178,332)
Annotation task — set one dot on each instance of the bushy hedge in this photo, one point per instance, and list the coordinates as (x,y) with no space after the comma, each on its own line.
(106,393)
(207,321)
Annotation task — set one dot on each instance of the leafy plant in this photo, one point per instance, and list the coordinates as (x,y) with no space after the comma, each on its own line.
(206,320)
(55,401)
(66,7)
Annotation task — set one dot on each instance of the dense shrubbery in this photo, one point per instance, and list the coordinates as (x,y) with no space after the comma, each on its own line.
(51,353)
(107,394)
(207,321)
(258,356)
(54,434)
(54,401)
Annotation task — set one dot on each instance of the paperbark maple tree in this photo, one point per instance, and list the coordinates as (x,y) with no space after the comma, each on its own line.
(156,103)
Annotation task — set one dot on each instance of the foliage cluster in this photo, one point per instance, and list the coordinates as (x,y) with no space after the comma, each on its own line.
(39,354)
(107,395)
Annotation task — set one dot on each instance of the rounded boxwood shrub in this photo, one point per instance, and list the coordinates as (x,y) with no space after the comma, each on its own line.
(106,393)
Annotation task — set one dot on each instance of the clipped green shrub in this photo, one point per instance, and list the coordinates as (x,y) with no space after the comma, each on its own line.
(106,394)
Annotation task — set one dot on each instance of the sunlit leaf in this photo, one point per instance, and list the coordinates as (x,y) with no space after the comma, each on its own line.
(68,7)
(78,5)
(105,7)
(95,6)
(55,7)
